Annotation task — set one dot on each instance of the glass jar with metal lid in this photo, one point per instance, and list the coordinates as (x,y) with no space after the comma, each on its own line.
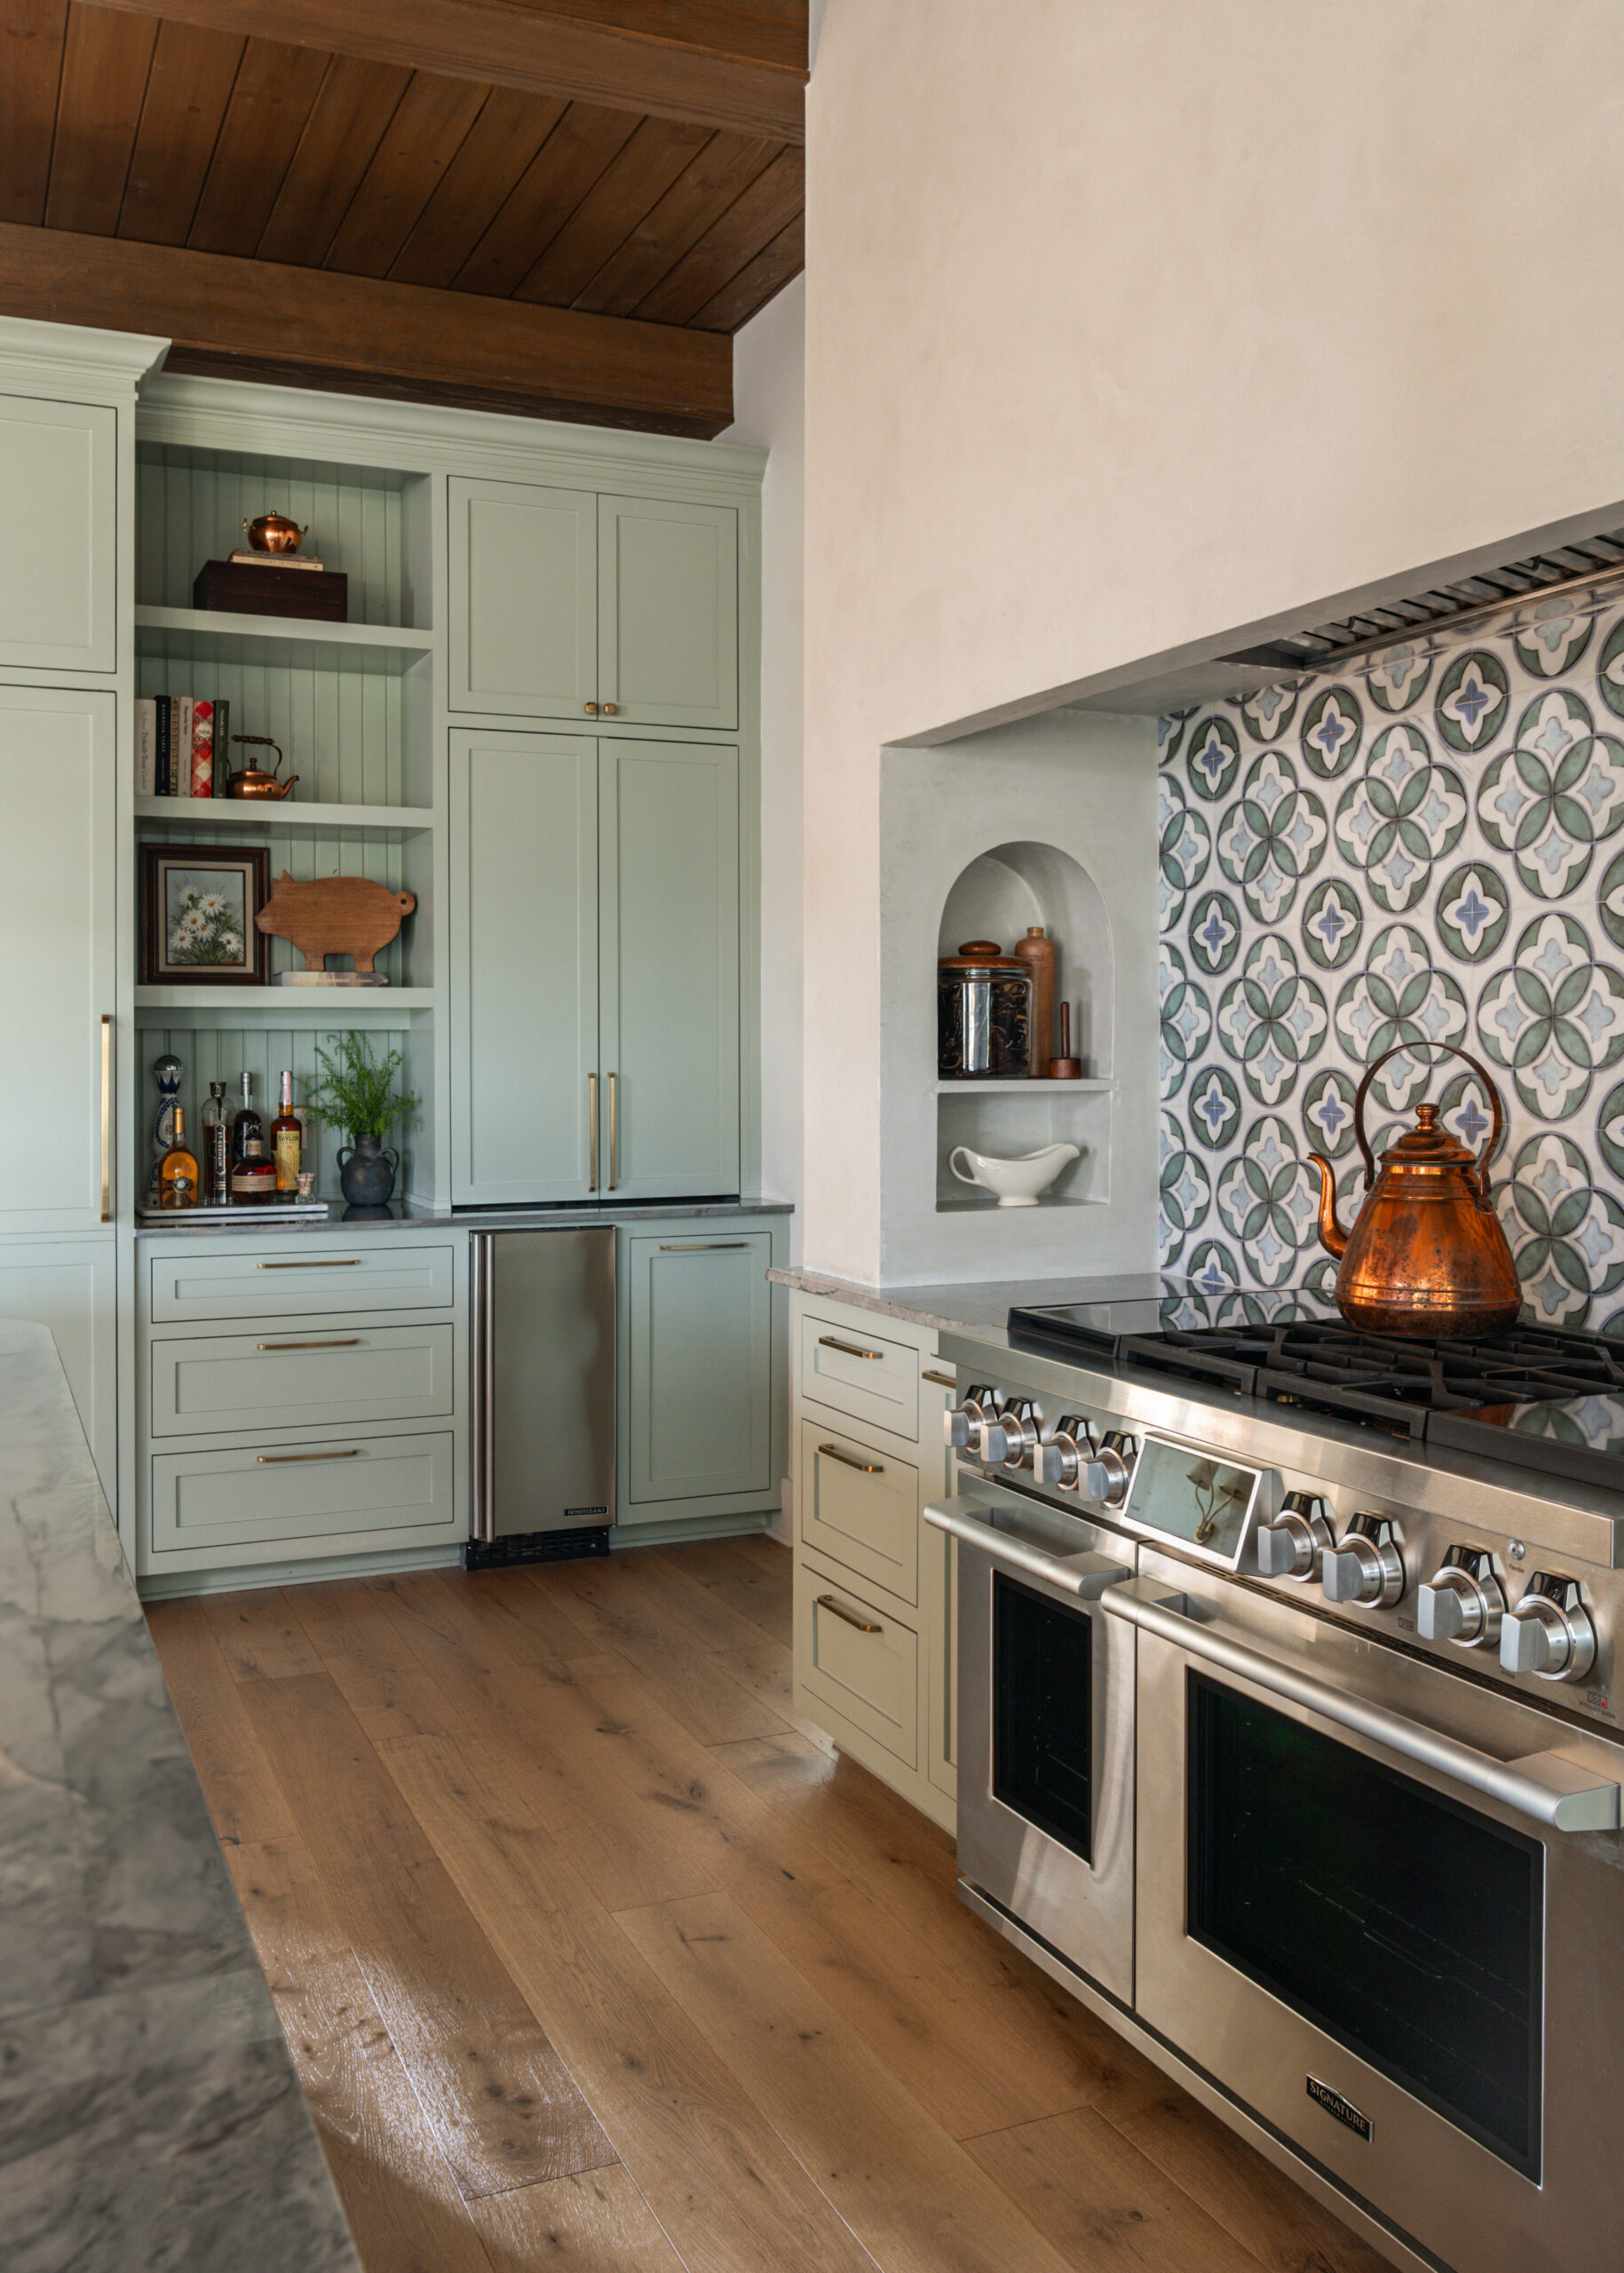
(983,1014)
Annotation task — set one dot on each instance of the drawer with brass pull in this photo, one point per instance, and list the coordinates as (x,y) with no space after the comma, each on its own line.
(861,1507)
(278,1275)
(854,1655)
(866,1376)
(203,1386)
(253,1502)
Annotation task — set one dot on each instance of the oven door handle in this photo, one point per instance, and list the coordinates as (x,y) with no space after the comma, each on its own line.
(1546,1787)
(1086,1576)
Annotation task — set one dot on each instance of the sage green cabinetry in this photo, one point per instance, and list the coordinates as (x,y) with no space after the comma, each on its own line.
(58,504)
(566,603)
(70,1284)
(595,954)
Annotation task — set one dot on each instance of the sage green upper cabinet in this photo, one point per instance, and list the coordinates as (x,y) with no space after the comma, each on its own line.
(523,598)
(57,887)
(59,502)
(524,1040)
(668,620)
(699,1418)
(669,978)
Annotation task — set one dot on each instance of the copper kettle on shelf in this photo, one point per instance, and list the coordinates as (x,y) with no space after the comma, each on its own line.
(1426,1254)
(252,782)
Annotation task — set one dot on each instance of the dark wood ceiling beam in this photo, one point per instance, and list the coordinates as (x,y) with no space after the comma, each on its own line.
(741,67)
(319,328)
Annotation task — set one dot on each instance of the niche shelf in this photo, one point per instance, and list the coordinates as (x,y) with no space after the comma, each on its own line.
(288,642)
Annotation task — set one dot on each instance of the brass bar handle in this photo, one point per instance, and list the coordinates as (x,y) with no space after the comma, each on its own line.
(863,1467)
(591,1088)
(322,1263)
(614,1130)
(942,1381)
(282,1459)
(348,1342)
(702,1246)
(106,1118)
(849,1349)
(863,1625)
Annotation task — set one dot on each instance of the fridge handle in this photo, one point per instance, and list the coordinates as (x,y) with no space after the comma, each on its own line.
(479,1260)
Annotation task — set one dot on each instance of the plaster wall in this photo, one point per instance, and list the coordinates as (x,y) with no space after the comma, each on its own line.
(1134,323)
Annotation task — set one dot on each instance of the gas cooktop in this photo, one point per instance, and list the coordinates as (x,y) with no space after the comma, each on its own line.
(1545,1398)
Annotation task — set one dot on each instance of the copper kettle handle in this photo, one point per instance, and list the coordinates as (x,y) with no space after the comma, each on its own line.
(1496,1132)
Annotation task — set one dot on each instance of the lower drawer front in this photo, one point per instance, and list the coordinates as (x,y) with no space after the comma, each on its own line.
(302,1271)
(861,1660)
(260,1503)
(301,1380)
(861,1507)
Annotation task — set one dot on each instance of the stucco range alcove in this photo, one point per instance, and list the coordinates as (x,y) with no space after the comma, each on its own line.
(1000,895)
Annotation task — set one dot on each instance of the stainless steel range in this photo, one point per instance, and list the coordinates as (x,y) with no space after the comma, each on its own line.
(1287,1738)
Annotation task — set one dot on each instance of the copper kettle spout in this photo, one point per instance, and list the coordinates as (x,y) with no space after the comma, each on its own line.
(1333,1238)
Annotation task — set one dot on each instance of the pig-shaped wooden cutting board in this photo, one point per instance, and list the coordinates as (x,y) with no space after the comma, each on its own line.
(335,915)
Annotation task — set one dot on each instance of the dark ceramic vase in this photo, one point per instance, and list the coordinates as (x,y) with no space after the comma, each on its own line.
(367,1172)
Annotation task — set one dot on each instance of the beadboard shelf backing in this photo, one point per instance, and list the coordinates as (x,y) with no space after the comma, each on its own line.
(258,823)
(287,642)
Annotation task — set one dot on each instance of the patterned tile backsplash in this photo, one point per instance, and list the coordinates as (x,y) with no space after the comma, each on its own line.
(1427,849)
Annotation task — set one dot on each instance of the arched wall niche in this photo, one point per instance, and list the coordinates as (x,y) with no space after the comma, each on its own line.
(1002,892)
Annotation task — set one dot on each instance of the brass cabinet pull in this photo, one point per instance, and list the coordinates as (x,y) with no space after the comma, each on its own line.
(349,1341)
(106,1118)
(591,1180)
(281,1459)
(323,1263)
(702,1246)
(863,1625)
(849,1349)
(866,1468)
(612,709)
(590,709)
(942,1381)
(614,1130)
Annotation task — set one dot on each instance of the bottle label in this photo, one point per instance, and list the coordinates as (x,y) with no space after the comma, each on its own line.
(249,1180)
(287,1159)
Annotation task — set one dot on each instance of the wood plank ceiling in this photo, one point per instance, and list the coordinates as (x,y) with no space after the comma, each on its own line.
(144,130)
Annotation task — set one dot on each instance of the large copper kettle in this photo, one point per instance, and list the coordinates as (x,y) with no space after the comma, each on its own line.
(1426,1253)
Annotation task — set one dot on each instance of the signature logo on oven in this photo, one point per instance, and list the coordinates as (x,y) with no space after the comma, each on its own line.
(1334,2103)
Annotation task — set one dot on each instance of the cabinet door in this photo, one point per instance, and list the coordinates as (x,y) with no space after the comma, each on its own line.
(668,612)
(669,990)
(524,1037)
(524,599)
(69,1285)
(58,928)
(700,1393)
(58,504)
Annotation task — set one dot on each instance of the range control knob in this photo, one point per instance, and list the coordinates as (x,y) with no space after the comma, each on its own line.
(959,1426)
(1365,1567)
(1060,1461)
(1548,1632)
(1012,1439)
(1293,1546)
(1108,1472)
(1461,1602)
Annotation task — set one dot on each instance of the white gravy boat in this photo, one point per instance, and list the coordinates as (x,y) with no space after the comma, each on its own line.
(1017,1182)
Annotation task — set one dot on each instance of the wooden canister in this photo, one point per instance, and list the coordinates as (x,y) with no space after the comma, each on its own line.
(1037,952)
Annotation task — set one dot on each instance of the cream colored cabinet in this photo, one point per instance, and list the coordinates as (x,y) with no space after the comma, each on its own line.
(875,1585)
(59,505)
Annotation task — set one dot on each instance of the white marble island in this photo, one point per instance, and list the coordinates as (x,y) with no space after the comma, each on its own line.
(150,2118)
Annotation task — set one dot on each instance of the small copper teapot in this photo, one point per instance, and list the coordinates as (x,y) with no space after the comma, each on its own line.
(252,782)
(1426,1254)
(274,533)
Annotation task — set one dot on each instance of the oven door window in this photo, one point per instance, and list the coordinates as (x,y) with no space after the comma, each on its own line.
(1043,1717)
(1398,1921)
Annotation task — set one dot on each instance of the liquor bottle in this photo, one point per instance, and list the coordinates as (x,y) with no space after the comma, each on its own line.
(217,1147)
(287,1141)
(178,1170)
(245,1122)
(253,1177)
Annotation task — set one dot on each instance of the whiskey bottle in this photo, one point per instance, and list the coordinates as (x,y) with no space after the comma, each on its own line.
(287,1141)
(178,1170)
(217,1147)
(245,1123)
(253,1177)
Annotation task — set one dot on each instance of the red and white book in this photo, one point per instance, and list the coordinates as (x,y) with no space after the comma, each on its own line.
(202,750)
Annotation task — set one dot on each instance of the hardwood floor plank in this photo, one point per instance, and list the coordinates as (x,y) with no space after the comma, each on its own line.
(260,1635)
(752,1588)
(1102,2203)
(538,1618)
(397,2188)
(724,2186)
(500,2101)
(386,1688)
(245,1799)
(915,2199)
(597,2223)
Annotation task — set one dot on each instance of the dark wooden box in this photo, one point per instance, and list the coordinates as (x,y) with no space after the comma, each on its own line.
(240,589)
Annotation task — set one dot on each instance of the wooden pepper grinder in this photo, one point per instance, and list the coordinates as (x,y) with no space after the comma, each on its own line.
(1037,952)
(1065,1067)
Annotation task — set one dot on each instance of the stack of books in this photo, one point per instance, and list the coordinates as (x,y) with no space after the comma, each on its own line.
(182,746)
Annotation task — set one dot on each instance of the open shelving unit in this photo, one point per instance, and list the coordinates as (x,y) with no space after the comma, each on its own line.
(286,643)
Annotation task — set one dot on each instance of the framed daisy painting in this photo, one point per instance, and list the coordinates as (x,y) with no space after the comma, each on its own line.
(198,906)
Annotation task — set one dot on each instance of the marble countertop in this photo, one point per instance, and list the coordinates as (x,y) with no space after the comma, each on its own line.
(150,2118)
(974,1306)
(404,1217)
